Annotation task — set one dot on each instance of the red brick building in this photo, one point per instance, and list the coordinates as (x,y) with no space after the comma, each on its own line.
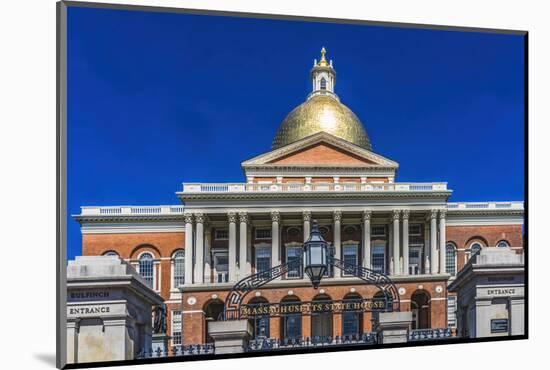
(321,167)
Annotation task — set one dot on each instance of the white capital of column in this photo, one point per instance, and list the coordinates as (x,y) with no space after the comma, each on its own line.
(232,256)
(188,277)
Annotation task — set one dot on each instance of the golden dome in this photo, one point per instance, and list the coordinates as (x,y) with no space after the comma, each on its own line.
(321,113)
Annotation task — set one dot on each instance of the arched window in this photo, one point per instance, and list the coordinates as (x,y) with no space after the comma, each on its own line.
(475,248)
(146,268)
(178,263)
(111,253)
(503,244)
(323,84)
(450,259)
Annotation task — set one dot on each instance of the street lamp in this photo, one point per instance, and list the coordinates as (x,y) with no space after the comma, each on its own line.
(315,256)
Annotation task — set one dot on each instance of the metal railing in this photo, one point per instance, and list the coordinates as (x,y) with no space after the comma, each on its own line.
(131,210)
(430,334)
(312,187)
(190,350)
(485,205)
(269,344)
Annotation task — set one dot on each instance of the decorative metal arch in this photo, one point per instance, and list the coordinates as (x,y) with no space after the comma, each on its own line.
(235,298)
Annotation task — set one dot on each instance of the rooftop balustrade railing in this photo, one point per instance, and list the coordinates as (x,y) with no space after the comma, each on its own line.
(312,187)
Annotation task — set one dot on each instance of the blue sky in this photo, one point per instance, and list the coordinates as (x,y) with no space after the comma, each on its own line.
(157,99)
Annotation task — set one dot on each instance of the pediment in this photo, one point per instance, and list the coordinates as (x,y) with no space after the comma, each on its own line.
(320,150)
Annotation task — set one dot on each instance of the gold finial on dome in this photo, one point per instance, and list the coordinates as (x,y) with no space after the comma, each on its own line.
(323,62)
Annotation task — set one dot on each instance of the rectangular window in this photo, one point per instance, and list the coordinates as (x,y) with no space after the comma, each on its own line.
(263,234)
(415,260)
(221,234)
(378,258)
(330,271)
(415,230)
(349,256)
(293,254)
(263,259)
(176,328)
(499,326)
(451,312)
(292,326)
(221,267)
(350,323)
(378,230)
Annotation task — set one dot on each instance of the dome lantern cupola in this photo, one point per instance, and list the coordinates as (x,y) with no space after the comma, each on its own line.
(322,111)
(323,77)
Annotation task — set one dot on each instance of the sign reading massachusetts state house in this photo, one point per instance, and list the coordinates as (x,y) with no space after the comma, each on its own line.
(308,308)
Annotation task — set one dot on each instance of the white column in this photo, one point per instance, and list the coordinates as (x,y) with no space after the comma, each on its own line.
(207,255)
(232,218)
(442,242)
(366,239)
(249,251)
(396,264)
(243,219)
(433,242)
(405,242)
(188,249)
(275,218)
(306,215)
(199,249)
(337,216)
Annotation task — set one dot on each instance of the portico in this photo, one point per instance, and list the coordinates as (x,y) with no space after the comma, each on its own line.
(345,227)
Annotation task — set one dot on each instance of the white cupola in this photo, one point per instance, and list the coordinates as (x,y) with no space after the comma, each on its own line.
(323,77)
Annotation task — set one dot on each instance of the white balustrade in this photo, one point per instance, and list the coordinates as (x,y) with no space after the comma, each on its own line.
(485,205)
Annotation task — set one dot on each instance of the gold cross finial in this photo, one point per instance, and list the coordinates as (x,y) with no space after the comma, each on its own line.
(323,61)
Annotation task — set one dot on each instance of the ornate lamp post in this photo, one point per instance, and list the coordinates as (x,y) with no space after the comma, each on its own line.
(315,256)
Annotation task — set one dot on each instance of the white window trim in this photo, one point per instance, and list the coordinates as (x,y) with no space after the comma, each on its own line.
(456,258)
(287,246)
(156,269)
(503,241)
(420,247)
(385,247)
(356,245)
(172,261)
(263,246)
(454,298)
(215,254)
(172,327)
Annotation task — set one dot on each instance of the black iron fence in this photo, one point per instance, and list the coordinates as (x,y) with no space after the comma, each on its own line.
(269,344)
(430,334)
(190,350)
